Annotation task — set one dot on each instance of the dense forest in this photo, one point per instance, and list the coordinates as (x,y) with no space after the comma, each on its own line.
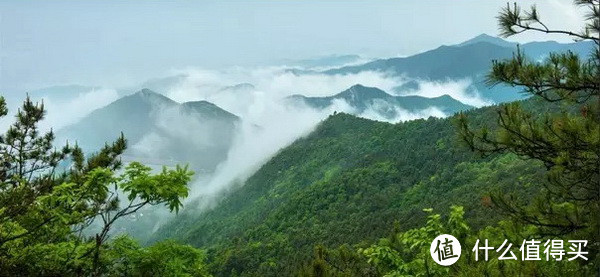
(377,177)
(522,170)
(355,197)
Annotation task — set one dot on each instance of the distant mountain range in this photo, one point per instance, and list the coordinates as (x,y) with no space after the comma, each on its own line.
(159,129)
(471,59)
(211,128)
(362,98)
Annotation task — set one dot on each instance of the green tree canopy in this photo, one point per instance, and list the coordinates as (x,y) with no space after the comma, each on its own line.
(566,138)
(48,196)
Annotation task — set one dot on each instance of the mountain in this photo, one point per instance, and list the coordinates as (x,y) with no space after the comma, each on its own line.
(346,184)
(362,98)
(206,110)
(239,87)
(468,60)
(159,130)
(541,49)
(489,39)
(439,64)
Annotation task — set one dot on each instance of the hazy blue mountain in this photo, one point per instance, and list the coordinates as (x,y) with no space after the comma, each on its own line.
(362,98)
(540,49)
(489,39)
(411,85)
(441,63)
(159,130)
(468,60)
(206,110)
(132,114)
(239,87)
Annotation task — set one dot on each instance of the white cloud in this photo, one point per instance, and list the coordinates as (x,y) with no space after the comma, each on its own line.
(64,111)
(457,89)
(276,81)
(374,112)
(270,124)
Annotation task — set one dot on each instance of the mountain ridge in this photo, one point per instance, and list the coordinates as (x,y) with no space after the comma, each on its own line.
(469,60)
(347,182)
(363,98)
(148,117)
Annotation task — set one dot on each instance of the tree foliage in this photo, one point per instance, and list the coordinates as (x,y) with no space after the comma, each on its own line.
(48,196)
(406,253)
(566,139)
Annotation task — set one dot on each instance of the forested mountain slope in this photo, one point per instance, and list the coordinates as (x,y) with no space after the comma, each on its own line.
(346,183)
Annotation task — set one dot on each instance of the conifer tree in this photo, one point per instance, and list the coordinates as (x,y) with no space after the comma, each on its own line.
(49,195)
(565,138)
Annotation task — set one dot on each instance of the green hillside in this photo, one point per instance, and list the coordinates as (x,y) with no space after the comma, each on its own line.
(347,183)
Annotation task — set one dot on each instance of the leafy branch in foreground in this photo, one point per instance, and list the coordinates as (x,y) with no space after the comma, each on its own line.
(43,211)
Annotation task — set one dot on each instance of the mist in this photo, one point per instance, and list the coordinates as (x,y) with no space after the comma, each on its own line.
(457,89)
(62,110)
(268,123)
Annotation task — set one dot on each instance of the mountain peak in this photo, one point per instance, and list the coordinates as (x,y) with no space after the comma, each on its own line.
(445,96)
(489,39)
(199,105)
(239,87)
(357,86)
(207,108)
(484,36)
(146,91)
(359,90)
(150,94)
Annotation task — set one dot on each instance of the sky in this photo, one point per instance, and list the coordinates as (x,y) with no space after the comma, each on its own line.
(44,43)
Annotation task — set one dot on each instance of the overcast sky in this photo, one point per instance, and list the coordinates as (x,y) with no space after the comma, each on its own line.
(114,42)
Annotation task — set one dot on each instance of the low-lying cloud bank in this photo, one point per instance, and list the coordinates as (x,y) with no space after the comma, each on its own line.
(460,90)
(63,110)
(268,123)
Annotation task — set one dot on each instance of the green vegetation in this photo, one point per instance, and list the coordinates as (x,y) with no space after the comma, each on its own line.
(354,198)
(407,253)
(43,211)
(347,183)
(340,188)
